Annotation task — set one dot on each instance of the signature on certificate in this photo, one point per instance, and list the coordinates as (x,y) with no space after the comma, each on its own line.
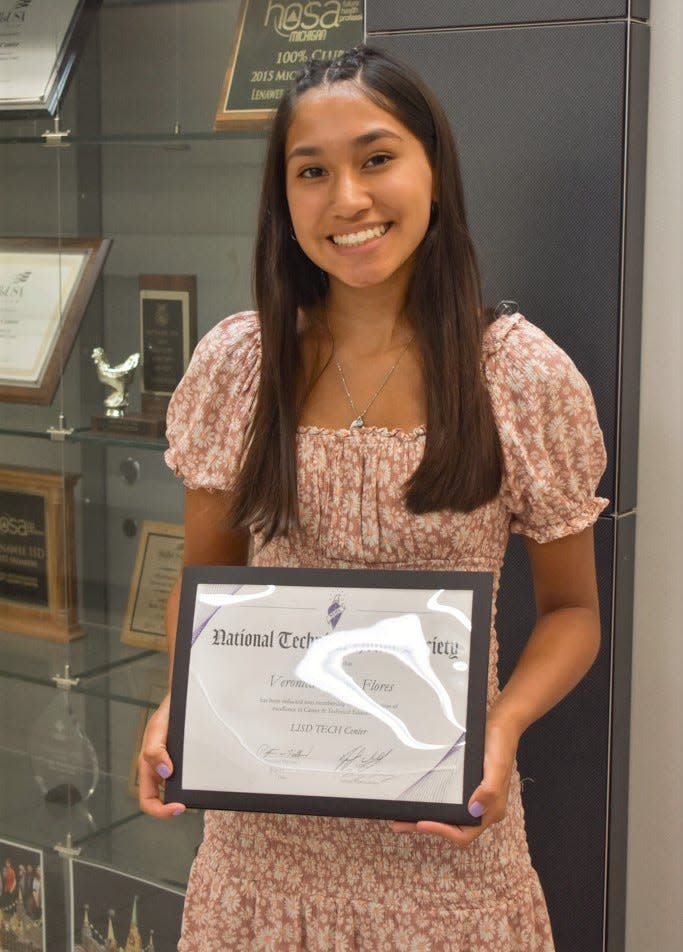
(360,758)
(279,755)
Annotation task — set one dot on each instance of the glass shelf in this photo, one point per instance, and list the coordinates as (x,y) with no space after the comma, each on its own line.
(92,659)
(164,139)
(109,828)
(86,435)
(143,847)
(25,816)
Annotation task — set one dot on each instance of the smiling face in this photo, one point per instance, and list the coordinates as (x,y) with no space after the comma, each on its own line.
(359,187)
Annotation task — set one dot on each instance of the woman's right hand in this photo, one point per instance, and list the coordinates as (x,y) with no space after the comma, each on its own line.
(155,766)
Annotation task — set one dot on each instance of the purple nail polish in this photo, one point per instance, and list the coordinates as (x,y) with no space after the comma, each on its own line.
(163,771)
(477,809)
(178,812)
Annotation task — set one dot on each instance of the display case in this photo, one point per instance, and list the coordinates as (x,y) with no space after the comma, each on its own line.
(140,172)
(130,172)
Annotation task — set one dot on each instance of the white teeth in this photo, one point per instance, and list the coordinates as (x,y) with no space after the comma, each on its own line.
(360,237)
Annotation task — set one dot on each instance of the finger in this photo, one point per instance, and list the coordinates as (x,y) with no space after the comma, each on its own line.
(492,791)
(154,742)
(461,836)
(149,795)
(403,826)
(157,758)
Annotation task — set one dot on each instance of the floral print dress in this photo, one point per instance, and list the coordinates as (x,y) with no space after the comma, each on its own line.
(285,883)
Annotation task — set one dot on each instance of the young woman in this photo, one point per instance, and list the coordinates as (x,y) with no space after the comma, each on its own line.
(366,416)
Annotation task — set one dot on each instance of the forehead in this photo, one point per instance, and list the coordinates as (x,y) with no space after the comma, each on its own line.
(338,112)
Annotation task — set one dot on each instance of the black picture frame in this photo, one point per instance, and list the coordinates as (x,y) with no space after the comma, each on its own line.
(479,584)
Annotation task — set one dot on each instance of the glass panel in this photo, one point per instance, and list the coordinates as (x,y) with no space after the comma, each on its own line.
(132,168)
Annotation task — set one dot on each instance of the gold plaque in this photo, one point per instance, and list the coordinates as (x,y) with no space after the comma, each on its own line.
(158,562)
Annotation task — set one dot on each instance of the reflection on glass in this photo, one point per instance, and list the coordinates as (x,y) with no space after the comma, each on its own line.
(402,637)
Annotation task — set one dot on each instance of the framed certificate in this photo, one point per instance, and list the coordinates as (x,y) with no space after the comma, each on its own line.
(45,288)
(158,562)
(330,692)
(39,43)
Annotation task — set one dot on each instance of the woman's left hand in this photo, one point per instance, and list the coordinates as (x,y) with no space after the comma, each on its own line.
(490,798)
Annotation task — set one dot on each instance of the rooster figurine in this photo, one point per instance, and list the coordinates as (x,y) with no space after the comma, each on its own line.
(118,378)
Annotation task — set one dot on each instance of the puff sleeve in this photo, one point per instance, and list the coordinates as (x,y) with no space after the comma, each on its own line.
(209,412)
(553,449)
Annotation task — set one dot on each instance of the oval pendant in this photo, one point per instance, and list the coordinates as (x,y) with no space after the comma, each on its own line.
(357,423)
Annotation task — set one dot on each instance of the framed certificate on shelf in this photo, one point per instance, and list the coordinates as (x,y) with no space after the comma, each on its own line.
(45,287)
(158,561)
(330,692)
(39,44)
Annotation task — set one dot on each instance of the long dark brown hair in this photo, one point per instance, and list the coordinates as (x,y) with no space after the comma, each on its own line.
(462,463)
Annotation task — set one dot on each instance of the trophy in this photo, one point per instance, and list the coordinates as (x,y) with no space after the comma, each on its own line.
(116,418)
(118,378)
(62,757)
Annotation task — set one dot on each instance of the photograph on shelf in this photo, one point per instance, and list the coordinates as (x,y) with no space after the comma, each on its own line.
(157,685)
(111,910)
(22,903)
(158,562)
(38,553)
(272,42)
(40,41)
(45,288)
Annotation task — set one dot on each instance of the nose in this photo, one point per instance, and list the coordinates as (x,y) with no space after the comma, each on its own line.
(350,195)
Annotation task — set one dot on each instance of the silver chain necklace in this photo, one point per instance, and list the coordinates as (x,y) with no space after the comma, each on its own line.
(359,418)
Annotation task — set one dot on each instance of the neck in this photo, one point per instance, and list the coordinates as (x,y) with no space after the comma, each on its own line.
(367,320)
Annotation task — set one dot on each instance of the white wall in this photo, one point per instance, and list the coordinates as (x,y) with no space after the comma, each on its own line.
(655,859)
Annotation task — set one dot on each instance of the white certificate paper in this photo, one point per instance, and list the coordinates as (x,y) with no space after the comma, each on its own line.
(36,291)
(33,35)
(329,691)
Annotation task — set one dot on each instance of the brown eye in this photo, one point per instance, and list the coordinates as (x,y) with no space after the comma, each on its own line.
(382,158)
(312,171)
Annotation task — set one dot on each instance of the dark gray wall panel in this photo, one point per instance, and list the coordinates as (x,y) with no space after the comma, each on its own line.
(437,14)
(574,762)
(538,113)
(640,9)
(538,116)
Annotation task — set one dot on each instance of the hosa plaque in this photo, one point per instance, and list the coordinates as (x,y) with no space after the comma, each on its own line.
(347,693)
(273,41)
(37,553)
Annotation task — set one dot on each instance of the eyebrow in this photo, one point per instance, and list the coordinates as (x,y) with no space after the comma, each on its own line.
(366,139)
